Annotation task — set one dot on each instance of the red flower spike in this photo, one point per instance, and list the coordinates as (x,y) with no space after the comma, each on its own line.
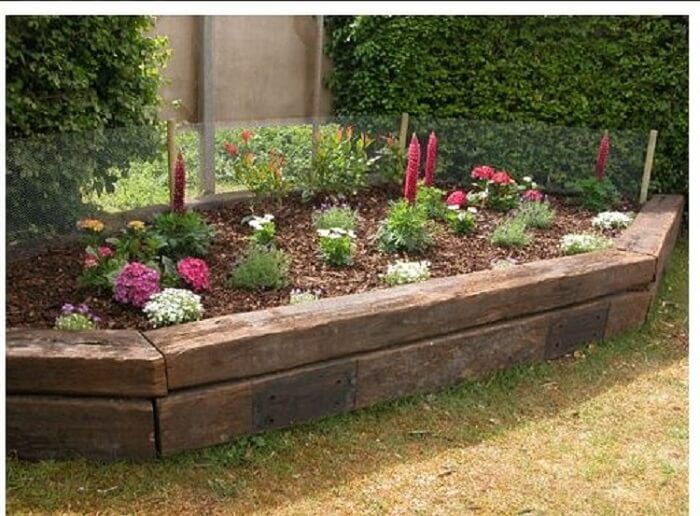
(412,168)
(231,149)
(431,160)
(178,205)
(247,135)
(603,151)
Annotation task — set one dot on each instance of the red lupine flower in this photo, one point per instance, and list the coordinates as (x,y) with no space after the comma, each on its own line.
(90,261)
(501,178)
(533,195)
(105,251)
(231,149)
(456,198)
(247,135)
(483,173)
(179,185)
(431,160)
(194,272)
(412,167)
(603,150)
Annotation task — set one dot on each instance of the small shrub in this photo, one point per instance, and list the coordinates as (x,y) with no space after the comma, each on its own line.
(298,296)
(390,160)
(612,220)
(99,269)
(406,228)
(401,272)
(431,200)
(576,243)
(135,284)
(510,233)
(538,215)
(173,306)
(194,272)
(461,222)
(137,243)
(185,234)
(263,229)
(74,318)
(342,217)
(496,189)
(262,268)
(337,246)
(596,195)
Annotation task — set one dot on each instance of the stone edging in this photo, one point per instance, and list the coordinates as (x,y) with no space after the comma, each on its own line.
(124,394)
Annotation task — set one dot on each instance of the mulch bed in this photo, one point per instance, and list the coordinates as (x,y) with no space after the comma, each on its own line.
(37,287)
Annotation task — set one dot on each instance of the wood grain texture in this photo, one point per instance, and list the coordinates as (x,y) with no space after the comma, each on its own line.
(204,416)
(118,363)
(572,327)
(627,312)
(46,427)
(254,343)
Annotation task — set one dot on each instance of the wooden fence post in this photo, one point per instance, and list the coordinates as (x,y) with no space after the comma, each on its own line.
(207,181)
(648,163)
(172,154)
(403,131)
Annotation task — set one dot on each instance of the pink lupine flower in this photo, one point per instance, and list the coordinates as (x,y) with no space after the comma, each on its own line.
(483,173)
(456,198)
(135,284)
(533,195)
(501,178)
(431,160)
(412,167)
(603,151)
(194,272)
(179,185)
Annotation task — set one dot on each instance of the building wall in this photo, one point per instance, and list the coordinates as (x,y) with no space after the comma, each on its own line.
(263,67)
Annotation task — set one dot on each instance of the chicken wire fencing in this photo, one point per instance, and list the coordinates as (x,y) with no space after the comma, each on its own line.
(53,180)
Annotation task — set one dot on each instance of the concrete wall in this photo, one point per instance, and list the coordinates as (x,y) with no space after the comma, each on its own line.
(263,67)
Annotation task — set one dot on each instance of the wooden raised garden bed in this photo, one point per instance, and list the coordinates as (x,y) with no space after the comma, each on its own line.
(126,394)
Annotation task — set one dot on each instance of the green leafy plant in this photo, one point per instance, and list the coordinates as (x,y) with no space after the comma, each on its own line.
(264,230)
(431,199)
(538,215)
(185,234)
(342,217)
(511,233)
(596,195)
(462,222)
(406,228)
(390,160)
(262,268)
(137,245)
(337,246)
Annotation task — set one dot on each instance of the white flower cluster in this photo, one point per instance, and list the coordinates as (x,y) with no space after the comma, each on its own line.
(612,220)
(173,306)
(258,223)
(477,197)
(298,296)
(503,263)
(335,233)
(460,212)
(575,243)
(401,272)
(528,184)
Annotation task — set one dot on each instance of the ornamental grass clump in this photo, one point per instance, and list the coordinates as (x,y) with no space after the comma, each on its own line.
(341,216)
(261,268)
(194,272)
(76,318)
(337,246)
(612,220)
(462,222)
(135,284)
(173,306)
(511,233)
(577,243)
(406,228)
(401,272)
(539,215)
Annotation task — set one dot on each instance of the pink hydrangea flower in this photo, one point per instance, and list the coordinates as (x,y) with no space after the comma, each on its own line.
(533,195)
(456,198)
(501,178)
(105,251)
(135,284)
(194,272)
(483,173)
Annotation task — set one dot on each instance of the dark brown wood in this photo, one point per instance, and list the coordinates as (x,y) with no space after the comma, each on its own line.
(570,328)
(46,427)
(284,399)
(254,343)
(653,227)
(118,363)
(627,312)
(204,416)
(429,365)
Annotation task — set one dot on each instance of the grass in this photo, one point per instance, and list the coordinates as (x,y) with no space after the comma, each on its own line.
(605,432)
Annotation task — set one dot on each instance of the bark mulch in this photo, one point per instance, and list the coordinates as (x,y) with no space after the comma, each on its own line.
(37,287)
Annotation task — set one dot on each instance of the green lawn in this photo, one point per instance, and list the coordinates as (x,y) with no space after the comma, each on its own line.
(603,432)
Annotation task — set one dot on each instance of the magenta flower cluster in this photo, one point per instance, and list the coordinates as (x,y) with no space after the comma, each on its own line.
(194,272)
(135,284)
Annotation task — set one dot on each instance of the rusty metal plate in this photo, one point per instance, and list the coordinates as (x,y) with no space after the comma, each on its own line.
(573,328)
(297,396)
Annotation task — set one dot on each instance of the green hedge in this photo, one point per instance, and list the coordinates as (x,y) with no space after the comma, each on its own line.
(530,78)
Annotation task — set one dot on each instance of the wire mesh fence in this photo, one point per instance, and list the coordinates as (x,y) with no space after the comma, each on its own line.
(53,180)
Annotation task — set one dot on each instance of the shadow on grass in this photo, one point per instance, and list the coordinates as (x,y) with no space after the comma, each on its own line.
(311,458)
